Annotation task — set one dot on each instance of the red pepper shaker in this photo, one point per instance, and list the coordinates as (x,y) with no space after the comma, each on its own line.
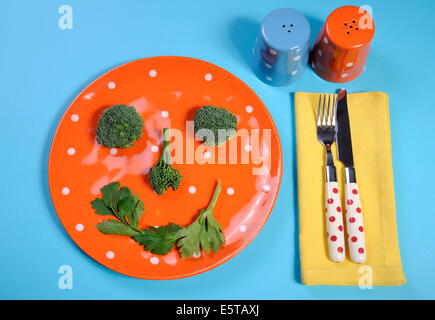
(343,44)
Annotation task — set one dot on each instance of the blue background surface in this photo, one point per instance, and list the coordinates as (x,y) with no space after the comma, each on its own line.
(42,69)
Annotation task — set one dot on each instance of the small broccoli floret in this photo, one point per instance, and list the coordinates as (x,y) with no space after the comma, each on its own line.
(119,127)
(214,125)
(162,175)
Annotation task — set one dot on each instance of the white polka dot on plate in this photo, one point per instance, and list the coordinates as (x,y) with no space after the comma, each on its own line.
(165,114)
(74,118)
(266,188)
(296,58)
(230,191)
(268,65)
(249,109)
(152,73)
(243,227)
(325,40)
(248,148)
(208,77)
(65,191)
(269,78)
(196,255)
(320,52)
(79,227)
(113,151)
(349,64)
(344,75)
(294,72)
(207,155)
(192,189)
(110,255)
(154,260)
(154,148)
(111,85)
(71,151)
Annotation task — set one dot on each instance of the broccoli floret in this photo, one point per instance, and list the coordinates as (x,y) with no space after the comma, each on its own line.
(214,125)
(119,127)
(162,175)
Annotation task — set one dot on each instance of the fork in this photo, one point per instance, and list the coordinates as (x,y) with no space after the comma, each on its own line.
(326,134)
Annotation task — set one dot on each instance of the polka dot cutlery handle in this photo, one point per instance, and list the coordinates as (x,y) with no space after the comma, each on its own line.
(334,222)
(355,224)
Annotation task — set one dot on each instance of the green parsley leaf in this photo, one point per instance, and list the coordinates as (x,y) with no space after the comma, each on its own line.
(214,231)
(101,208)
(127,206)
(158,240)
(116,227)
(189,242)
(120,203)
(205,232)
(109,191)
(138,211)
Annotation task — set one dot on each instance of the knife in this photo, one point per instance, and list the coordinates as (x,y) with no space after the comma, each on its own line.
(354,217)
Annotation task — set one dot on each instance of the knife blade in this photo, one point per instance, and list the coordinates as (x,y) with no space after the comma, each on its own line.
(344,141)
(354,216)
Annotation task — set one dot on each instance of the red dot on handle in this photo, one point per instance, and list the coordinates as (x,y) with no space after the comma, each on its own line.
(335,190)
(354,191)
(333,238)
(352,220)
(339,209)
(332,219)
(349,202)
(361,229)
(330,200)
(340,249)
(340,228)
(354,239)
(361,250)
(358,210)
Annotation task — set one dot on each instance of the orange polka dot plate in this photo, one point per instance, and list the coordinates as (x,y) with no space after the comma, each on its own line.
(166,92)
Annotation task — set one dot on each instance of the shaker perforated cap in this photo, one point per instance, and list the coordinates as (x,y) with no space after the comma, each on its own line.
(350,27)
(343,44)
(281,50)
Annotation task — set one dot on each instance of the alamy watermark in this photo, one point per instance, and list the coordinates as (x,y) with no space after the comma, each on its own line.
(65,281)
(366,280)
(244,147)
(65,21)
(366,20)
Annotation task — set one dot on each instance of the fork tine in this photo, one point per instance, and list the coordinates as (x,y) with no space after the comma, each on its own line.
(330,100)
(334,110)
(324,109)
(319,114)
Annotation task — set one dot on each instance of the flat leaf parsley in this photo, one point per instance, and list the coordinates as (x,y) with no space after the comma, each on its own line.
(204,233)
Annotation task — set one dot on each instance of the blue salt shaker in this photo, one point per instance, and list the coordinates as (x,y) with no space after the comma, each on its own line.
(281,50)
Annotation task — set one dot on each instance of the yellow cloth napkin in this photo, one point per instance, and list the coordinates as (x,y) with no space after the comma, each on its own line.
(371,143)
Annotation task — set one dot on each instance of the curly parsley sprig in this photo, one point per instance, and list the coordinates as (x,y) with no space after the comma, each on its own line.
(204,233)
